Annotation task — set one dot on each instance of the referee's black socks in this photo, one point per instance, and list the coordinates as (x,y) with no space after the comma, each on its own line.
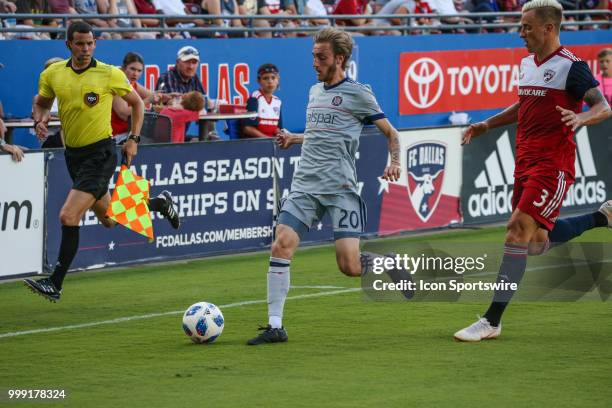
(67,252)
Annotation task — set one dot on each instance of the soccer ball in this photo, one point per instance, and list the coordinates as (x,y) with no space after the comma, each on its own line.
(203,322)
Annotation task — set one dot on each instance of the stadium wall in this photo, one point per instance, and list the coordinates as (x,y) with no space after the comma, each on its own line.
(225,193)
(419,80)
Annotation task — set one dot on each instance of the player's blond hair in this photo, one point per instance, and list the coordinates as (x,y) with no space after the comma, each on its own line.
(340,41)
(546,11)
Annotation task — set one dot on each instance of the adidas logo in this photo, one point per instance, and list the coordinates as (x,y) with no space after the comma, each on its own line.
(498,178)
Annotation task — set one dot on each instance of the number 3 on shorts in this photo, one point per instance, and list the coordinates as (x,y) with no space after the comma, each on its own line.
(543,198)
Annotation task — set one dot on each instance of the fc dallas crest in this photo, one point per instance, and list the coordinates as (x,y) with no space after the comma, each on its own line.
(426,162)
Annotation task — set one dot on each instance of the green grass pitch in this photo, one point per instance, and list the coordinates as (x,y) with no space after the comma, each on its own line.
(342,351)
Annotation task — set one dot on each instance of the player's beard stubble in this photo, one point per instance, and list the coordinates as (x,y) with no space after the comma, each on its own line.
(328,75)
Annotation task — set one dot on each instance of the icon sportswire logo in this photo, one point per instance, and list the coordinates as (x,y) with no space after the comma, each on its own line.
(497,179)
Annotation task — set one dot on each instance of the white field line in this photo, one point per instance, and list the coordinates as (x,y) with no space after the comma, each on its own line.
(175,312)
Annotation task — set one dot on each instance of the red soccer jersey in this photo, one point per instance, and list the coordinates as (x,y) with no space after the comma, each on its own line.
(544,145)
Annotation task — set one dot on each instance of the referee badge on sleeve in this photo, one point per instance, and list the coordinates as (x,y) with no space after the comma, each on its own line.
(91,99)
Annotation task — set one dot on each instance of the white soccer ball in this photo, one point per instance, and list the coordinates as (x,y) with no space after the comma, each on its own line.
(203,322)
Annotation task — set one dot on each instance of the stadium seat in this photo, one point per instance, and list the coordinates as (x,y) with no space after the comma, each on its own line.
(156,128)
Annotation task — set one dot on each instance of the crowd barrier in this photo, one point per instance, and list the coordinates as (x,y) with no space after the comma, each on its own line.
(225,194)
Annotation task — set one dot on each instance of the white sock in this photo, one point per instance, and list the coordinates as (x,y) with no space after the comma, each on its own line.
(278,287)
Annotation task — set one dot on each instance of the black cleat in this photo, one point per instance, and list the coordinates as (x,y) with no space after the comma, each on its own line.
(44,288)
(269,335)
(401,276)
(168,211)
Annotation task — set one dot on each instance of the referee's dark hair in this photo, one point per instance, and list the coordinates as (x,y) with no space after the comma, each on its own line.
(78,27)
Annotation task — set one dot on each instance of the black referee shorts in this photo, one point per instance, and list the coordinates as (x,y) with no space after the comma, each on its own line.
(91,167)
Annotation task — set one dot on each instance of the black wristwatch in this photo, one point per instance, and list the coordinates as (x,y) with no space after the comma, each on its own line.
(135,138)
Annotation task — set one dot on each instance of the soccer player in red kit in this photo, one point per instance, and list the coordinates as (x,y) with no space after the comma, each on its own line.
(553,84)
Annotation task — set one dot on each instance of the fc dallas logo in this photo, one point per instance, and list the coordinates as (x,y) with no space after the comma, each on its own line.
(426,162)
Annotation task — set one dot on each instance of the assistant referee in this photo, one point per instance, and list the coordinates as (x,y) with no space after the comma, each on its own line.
(85,88)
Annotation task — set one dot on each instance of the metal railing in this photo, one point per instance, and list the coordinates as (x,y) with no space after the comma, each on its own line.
(469,22)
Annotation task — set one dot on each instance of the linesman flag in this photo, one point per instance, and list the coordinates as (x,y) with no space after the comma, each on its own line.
(128,205)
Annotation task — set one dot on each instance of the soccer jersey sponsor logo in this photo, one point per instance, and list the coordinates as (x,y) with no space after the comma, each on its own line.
(425,168)
(91,99)
(532,92)
(316,118)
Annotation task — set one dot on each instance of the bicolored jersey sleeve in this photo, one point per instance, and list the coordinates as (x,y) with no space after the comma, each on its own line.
(251,106)
(44,86)
(118,83)
(366,108)
(580,79)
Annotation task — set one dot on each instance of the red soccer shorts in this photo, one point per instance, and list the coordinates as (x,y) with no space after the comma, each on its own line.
(541,197)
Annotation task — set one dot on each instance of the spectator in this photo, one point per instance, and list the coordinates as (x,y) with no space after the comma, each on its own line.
(35,7)
(268,106)
(187,111)
(183,77)
(7,7)
(447,8)
(132,66)
(604,58)
(316,8)
(95,7)
(360,7)
(146,7)
(277,8)
(177,8)
(309,8)
(127,7)
(398,8)
(225,8)
(13,150)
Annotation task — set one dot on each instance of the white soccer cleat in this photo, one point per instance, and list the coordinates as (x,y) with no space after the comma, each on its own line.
(481,330)
(606,209)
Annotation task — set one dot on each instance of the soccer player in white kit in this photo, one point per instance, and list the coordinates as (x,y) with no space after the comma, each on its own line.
(326,179)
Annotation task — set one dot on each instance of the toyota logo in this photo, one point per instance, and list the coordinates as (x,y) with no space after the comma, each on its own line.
(423,83)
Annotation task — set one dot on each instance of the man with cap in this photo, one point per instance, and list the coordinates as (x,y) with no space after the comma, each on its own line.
(183,78)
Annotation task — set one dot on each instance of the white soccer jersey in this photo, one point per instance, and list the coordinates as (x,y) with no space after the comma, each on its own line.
(268,118)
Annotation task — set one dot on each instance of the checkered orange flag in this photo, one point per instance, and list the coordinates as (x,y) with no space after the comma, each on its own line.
(128,204)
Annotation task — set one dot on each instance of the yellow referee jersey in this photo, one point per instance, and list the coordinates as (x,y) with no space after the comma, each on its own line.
(85,99)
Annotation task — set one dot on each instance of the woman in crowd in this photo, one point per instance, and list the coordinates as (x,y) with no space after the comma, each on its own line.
(133,67)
